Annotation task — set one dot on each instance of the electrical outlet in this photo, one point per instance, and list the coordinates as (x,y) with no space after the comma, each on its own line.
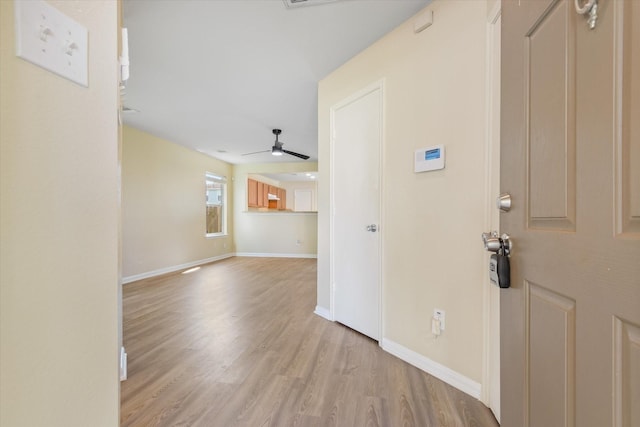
(439,316)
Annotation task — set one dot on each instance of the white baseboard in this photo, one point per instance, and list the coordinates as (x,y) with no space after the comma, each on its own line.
(323,312)
(439,371)
(171,269)
(268,255)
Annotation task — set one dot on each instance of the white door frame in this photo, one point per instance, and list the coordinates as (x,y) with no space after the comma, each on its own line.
(378,85)
(488,333)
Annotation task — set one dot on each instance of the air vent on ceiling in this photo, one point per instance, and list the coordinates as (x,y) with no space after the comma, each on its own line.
(299,3)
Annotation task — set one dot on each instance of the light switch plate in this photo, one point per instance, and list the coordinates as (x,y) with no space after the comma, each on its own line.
(50,39)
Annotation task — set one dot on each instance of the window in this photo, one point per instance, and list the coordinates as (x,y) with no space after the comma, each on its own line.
(216,187)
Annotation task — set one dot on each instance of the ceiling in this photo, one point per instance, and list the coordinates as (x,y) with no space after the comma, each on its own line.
(218,75)
(292,177)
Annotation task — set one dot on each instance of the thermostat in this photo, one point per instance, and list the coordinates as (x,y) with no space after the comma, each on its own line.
(429,159)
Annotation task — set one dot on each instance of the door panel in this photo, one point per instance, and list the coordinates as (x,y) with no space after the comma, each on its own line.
(628,111)
(551,340)
(357,136)
(550,72)
(569,323)
(627,368)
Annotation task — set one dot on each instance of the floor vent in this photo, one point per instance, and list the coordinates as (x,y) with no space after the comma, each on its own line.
(123,364)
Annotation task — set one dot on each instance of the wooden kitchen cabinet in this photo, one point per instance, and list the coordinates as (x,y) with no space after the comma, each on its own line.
(252,193)
(262,195)
(258,195)
(282,195)
(265,195)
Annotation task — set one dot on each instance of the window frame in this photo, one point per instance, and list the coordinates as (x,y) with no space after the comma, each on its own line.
(222,180)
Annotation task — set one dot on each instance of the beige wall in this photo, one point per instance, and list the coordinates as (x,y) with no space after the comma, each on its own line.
(280,234)
(433,256)
(59,232)
(163,205)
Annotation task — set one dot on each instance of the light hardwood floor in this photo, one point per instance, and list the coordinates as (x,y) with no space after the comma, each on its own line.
(237,344)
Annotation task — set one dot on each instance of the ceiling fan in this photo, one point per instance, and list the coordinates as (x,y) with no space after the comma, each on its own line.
(277,149)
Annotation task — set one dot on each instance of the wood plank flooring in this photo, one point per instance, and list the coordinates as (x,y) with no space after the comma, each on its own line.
(236,343)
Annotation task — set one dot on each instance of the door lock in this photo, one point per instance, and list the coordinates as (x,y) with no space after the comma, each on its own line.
(491,241)
(503,202)
(496,243)
(372,228)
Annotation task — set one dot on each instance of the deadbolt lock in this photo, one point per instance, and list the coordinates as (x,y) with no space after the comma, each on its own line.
(503,202)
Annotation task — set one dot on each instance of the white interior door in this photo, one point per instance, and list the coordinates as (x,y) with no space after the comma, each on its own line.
(302,201)
(356,126)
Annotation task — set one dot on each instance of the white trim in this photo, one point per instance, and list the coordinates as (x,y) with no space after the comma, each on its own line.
(487,334)
(495,13)
(439,371)
(208,176)
(268,255)
(220,178)
(323,312)
(215,235)
(381,209)
(171,269)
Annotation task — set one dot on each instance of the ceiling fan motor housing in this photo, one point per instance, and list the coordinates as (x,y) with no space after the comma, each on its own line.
(276,150)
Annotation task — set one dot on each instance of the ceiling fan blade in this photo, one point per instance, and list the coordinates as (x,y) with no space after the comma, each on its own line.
(257,152)
(302,156)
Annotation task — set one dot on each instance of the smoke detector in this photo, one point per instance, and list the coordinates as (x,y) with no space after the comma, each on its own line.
(290,4)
